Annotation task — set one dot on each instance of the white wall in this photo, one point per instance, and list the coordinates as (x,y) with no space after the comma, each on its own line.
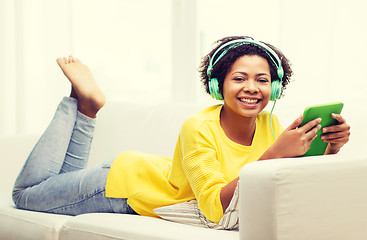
(149,50)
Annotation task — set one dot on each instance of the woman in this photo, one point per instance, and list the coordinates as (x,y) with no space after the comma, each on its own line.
(212,146)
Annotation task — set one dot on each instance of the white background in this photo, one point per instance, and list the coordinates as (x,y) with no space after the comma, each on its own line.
(149,51)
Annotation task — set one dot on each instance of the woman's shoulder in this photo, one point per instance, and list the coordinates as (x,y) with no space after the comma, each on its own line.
(209,114)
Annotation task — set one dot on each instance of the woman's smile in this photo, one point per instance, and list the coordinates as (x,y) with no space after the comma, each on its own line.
(249,102)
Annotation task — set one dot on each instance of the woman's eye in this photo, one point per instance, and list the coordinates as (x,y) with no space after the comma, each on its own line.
(263,80)
(239,79)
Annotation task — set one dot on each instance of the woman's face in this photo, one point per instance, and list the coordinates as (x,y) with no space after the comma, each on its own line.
(247,86)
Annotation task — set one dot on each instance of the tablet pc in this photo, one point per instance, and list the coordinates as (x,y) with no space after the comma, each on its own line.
(323,111)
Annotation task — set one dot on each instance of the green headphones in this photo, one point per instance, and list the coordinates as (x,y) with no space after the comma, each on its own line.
(276,85)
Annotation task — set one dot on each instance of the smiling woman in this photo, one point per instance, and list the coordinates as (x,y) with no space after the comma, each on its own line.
(212,146)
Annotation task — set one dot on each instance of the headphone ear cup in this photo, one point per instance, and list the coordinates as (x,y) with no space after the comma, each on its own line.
(214,89)
(276,89)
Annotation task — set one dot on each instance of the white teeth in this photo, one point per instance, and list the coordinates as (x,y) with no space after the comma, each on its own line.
(247,100)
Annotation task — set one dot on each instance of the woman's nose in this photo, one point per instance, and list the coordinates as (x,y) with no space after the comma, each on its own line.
(250,86)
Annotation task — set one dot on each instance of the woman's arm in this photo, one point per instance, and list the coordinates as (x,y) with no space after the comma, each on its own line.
(294,141)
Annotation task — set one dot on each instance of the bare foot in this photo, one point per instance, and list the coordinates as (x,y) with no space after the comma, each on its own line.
(90,97)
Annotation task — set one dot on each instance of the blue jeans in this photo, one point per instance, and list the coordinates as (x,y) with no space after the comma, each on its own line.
(54,178)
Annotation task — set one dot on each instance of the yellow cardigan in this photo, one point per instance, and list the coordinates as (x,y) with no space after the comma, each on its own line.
(204,161)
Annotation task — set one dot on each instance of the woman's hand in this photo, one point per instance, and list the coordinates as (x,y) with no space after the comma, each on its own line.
(337,135)
(294,141)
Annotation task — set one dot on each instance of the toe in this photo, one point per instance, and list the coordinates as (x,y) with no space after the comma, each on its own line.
(60,61)
(76,60)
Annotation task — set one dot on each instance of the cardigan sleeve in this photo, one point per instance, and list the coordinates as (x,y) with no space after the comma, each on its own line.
(202,169)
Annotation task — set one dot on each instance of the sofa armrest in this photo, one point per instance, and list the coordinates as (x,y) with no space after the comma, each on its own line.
(321,197)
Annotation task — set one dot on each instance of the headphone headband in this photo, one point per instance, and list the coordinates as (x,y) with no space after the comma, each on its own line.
(239,42)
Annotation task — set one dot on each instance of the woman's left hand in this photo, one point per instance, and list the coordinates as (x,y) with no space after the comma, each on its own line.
(337,135)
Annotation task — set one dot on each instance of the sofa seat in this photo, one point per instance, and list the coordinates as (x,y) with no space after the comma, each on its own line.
(22,224)
(107,226)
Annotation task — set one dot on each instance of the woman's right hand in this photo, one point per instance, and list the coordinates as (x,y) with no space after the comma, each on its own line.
(295,141)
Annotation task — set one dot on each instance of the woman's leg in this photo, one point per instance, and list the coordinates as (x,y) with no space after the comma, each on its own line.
(74,193)
(49,181)
(47,157)
(74,190)
(76,157)
(90,101)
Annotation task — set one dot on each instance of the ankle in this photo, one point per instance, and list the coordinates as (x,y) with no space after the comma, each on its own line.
(73,93)
(90,108)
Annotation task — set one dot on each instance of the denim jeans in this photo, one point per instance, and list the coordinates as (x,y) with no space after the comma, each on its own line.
(54,178)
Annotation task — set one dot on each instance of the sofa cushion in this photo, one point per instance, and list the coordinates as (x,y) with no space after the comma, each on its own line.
(104,226)
(150,128)
(21,224)
(190,213)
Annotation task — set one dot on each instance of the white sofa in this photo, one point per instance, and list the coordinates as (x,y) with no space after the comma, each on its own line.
(301,198)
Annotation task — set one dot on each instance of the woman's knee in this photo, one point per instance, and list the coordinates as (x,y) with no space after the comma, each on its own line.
(17,197)
(27,198)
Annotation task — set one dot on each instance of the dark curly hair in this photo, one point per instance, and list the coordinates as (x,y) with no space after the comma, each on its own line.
(221,68)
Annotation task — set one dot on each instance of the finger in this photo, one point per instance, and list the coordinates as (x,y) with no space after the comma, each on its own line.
(337,140)
(334,135)
(311,140)
(311,124)
(313,132)
(338,117)
(337,128)
(296,123)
